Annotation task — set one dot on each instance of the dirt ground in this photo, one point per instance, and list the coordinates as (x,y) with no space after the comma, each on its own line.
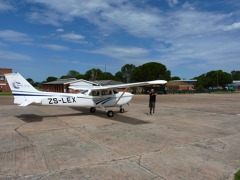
(193,136)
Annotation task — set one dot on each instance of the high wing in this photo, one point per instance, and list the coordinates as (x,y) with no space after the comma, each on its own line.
(127,85)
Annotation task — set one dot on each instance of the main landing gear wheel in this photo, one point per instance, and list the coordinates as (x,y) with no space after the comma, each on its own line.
(110,113)
(92,109)
(121,110)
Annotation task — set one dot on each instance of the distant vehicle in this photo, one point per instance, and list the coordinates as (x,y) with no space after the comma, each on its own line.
(93,97)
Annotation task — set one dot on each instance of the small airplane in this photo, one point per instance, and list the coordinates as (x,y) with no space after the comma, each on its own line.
(93,97)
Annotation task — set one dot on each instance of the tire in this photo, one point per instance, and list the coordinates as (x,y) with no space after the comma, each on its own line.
(92,109)
(110,113)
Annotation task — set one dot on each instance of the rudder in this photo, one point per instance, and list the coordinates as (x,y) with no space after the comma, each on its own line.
(20,87)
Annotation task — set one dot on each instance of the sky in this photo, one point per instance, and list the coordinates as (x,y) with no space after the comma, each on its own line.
(42,38)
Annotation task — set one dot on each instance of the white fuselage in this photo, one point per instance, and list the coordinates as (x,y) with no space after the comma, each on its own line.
(86,99)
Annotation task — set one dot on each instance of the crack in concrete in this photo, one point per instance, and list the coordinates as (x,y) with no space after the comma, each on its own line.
(32,144)
(147,169)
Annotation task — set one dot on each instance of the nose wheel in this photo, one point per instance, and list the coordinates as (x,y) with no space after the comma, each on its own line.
(121,110)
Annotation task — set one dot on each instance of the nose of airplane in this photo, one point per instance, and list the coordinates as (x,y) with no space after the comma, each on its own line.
(129,96)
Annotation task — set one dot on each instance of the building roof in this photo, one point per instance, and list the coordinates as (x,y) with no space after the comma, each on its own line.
(108,82)
(177,83)
(62,81)
(192,81)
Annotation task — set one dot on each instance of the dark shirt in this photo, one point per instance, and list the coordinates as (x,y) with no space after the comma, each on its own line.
(152,97)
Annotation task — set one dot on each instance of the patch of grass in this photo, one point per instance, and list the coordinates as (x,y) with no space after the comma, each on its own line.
(237,175)
(5,93)
(223,92)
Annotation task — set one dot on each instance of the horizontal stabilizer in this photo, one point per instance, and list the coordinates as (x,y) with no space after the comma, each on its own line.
(25,103)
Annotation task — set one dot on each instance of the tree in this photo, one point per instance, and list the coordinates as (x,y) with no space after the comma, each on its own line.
(64,77)
(151,71)
(38,85)
(127,72)
(119,76)
(214,79)
(51,78)
(73,74)
(175,78)
(30,81)
(235,75)
(93,74)
(107,76)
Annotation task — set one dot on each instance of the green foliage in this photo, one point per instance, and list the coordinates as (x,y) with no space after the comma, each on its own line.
(147,72)
(64,77)
(51,78)
(214,79)
(151,71)
(93,74)
(119,76)
(237,175)
(175,78)
(235,75)
(30,81)
(5,93)
(73,74)
(127,72)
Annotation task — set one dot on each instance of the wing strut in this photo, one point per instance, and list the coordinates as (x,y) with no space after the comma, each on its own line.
(121,96)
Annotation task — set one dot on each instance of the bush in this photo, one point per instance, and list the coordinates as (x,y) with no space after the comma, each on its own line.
(237,175)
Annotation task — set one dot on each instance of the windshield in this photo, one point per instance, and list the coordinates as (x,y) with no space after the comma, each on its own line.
(115,91)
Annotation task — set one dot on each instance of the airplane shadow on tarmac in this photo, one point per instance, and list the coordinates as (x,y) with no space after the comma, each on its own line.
(117,116)
(29,118)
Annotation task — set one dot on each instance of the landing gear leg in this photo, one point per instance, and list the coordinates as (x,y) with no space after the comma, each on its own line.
(109,113)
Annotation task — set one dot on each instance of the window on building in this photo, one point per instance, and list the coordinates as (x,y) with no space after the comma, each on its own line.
(2,78)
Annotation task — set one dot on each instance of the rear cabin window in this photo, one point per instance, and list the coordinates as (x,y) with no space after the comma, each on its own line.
(106,92)
(94,93)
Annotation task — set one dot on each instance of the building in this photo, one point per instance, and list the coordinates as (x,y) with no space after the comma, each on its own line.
(175,86)
(4,87)
(67,85)
(63,85)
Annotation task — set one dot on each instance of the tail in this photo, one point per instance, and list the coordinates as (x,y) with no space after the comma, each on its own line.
(22,90)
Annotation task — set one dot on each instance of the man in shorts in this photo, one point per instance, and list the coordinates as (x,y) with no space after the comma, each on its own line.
(152,101)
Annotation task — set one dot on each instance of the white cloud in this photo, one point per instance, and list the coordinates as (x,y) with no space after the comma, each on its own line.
(172,3)
(55,47)
(194,37)
(138,21)
(6,6)
(59,30)
(233,26)
(123,53)
(44,17)
(200,55)
(14,36)
(188,5)
(72,36)
(105,14)
(12,56)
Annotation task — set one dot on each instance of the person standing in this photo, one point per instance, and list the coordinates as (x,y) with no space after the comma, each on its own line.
(152,101)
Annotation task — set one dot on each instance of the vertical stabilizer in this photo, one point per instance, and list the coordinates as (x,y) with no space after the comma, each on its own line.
(22,90)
